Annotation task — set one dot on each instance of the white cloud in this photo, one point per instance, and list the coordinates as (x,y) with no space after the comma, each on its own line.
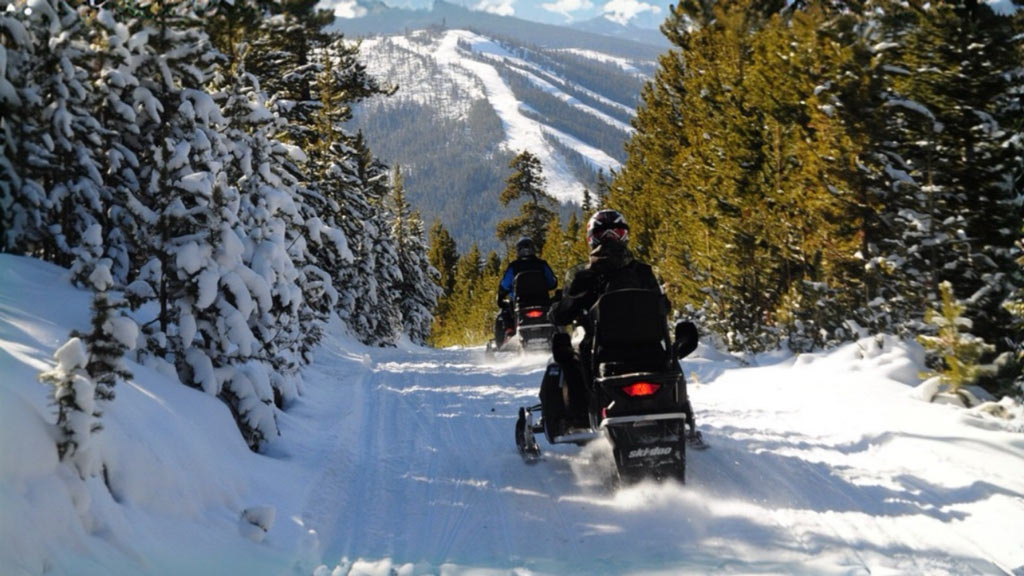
(1004,7)
(344,8)
(567,7)
(500,7)
(622,11)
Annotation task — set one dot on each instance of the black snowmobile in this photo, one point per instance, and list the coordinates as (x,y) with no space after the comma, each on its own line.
(532,329)
(637,391)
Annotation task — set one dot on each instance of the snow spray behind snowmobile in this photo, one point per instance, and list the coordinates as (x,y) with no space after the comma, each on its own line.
(637,391)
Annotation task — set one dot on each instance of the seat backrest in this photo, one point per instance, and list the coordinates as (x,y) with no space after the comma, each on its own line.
(630,329)
(531,288)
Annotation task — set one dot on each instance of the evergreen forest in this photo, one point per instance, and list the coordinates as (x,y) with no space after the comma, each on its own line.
(800,175)
(806,174)
(188,162)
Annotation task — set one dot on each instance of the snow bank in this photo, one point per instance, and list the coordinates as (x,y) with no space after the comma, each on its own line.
(174,473)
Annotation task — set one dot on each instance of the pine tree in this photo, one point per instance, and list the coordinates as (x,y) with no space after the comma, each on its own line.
(51,189)
(113,335)
(953,348)
(443,256)
(89,367)
(269,227)
(113,332)
(806,179)
(75,397)
(692,186)
(469,315)
(526,184)
(861,83)
(565,249)
(376,285)
(955,219)
(312,78)
(419,291)
(192,262)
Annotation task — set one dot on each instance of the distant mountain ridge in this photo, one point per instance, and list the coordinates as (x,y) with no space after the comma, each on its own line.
(474,89)
(606,27)
(600,33)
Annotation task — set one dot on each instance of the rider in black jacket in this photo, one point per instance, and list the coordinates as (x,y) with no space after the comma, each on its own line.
(611,267)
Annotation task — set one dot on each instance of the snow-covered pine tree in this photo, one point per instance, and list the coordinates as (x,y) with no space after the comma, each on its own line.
(52,186)
(117,52)
(978,82)
(91,366)
(876,51)
(952,213)
(112,337)
(281,56)
(113,332)
(268,220)
(187,221)
(341,220)
(420,288)
(22,201)
(75,397)
(375,315)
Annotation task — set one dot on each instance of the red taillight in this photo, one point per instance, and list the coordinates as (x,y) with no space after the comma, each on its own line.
(534,313)
(641,388)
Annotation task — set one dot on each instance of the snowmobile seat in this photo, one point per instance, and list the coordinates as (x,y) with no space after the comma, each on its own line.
(531,289)
(630,333)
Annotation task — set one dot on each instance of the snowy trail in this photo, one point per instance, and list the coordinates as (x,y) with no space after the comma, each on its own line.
(800,479)
(402,461)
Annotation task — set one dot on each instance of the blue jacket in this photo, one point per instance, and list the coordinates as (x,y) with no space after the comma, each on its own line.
(521,265)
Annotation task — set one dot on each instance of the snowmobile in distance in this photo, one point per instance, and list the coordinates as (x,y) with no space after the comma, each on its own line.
(532,331)
(638,397)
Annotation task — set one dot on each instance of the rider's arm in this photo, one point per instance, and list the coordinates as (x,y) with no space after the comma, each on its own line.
(652,283)
(549,275)
(580,297)
(505,287)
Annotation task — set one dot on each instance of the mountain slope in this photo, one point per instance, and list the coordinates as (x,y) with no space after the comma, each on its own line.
(467,103)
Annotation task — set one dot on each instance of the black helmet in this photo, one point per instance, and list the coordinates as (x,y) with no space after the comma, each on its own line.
(607,225)
(525,247)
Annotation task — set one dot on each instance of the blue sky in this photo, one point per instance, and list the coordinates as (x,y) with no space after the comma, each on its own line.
(643,13)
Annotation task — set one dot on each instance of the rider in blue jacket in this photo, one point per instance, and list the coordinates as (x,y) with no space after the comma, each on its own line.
(526,259)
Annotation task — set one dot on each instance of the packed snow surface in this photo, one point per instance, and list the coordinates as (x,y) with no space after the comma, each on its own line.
(402,461)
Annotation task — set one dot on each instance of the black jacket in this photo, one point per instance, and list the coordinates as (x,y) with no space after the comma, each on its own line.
(611,267)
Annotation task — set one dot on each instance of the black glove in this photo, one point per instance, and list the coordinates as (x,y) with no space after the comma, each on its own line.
(501,301)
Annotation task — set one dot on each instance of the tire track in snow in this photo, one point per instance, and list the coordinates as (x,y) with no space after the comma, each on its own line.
(334,488)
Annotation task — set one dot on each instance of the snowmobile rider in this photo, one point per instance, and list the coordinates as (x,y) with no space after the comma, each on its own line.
(526,259)
(611,267)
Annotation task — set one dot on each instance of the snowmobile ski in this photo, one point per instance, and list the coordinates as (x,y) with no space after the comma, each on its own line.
(696,440)
(525,440)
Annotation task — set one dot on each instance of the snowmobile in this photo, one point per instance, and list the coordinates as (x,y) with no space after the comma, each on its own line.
(532,330)
(637,390)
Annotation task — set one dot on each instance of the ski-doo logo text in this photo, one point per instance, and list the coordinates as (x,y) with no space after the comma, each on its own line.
(647,452)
